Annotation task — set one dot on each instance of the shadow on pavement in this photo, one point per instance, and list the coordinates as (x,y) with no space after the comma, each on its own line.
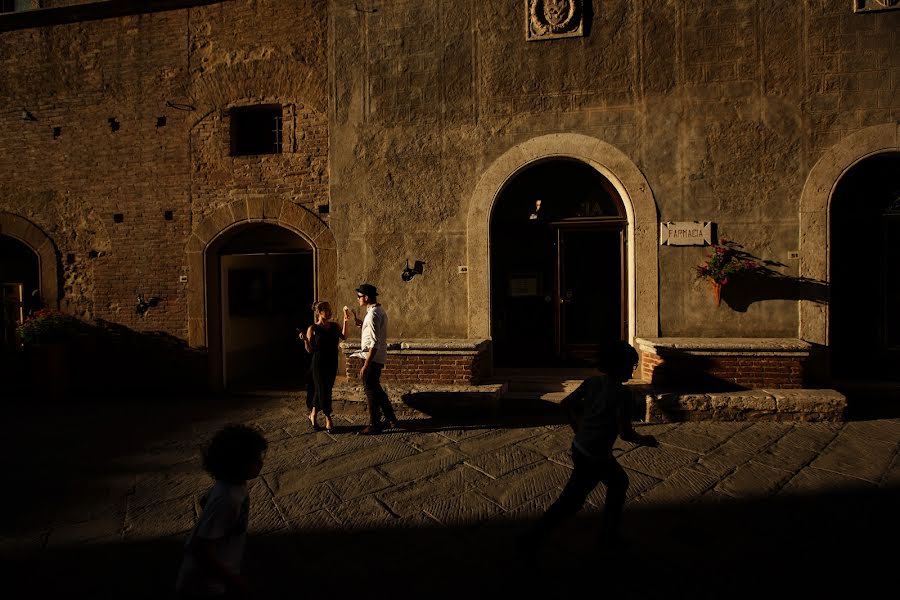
(821,545)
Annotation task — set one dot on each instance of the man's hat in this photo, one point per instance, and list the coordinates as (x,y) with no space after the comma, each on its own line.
(367,289)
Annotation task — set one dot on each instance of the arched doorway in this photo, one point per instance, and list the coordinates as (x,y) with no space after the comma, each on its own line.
(864,324)
(558,268)
(20,285)
(261,283)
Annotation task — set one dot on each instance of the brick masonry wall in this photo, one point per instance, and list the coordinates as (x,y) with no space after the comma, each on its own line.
(431,369)
(723,372)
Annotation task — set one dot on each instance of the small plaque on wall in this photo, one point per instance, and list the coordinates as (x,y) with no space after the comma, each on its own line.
(685,233)
(552,19)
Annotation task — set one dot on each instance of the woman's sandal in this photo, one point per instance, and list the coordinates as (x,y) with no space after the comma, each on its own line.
(312,423)
(329,426)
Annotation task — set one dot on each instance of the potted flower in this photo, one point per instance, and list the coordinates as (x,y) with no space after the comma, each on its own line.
(726,261)
(45,335)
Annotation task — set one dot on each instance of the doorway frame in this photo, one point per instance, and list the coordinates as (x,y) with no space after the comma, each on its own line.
(815,225)
(641,233)
(33,237)
(200,252)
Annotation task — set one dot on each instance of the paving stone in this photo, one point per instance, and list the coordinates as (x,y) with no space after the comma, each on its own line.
(551,442)
(533,508)
(308,500)
(315,521)
(426,440)
(286,482)
(347,443)
(812,481)
(264,514)
(886,430)
(155,521)
(409,498)
(152,488)
(757,436)
(688,438)
(658,462)
(563,458)
(496,439)
(638,483)
(290,454)
(459,434)
(505,460)
(107,529)
(812,436)
(786,454)
(467,508)
(420,465)
(358,484)
(681,487)
(753,480)
(857,456)
(892,477)
(362,513)
(521,486)
(723,460)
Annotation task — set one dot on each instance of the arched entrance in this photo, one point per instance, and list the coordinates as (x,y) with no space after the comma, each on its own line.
(261,283)
(558,274)
(865,270)
(20,285)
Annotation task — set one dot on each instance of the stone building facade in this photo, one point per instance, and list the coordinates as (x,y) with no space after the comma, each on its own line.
(414,130)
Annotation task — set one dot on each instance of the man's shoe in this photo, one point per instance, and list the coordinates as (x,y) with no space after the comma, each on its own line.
(369,430)
(390,424)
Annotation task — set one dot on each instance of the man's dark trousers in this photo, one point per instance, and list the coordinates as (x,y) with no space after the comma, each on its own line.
(376,397)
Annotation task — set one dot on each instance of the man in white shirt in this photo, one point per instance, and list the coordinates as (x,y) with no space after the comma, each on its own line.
(373,351)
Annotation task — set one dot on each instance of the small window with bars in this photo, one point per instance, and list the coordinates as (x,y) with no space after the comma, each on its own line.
(9,6)
(256,130)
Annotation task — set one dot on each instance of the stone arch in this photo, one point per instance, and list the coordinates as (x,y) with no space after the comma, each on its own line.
(640,207)
(34,237)
(275,211)
(815,204)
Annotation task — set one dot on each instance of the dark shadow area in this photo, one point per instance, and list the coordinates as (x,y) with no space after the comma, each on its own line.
(824,545)
(767,284)
(689,373)
(473,410)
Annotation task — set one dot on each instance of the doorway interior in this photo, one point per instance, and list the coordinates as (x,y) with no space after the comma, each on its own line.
(864,311)
(19,286)
(266,284)
(558,270)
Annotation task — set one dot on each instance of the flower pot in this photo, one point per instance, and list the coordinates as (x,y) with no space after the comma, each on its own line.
(717,292)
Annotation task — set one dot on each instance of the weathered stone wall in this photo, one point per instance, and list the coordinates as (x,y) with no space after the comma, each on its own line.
(131,119)
(724,106)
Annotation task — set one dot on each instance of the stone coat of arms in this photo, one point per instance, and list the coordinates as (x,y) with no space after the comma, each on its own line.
(549,19)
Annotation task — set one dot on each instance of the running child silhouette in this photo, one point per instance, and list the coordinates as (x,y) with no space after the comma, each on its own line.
(211,567)
(599,411)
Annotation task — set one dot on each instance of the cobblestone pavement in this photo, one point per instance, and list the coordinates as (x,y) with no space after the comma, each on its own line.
(101,494)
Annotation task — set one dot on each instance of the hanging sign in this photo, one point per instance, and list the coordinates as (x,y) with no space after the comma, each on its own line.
(685,233)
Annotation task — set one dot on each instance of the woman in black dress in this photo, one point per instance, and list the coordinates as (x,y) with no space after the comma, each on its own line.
(321,340)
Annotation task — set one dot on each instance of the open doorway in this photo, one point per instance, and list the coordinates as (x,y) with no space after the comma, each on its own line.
(19,286)
(557,245)
(264,277)
(864,311)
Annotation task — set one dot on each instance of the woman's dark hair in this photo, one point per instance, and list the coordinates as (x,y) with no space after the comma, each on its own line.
(229,451)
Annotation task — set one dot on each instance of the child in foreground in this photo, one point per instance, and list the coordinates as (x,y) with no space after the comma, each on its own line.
(211,567)
(605,406)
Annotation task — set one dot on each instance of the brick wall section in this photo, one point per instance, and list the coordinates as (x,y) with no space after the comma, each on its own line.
(430,368)
(746,372)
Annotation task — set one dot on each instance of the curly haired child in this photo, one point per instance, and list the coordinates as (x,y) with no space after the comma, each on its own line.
(211,567)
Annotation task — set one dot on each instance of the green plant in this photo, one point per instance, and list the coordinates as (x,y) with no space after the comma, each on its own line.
(726,261)
(49,326)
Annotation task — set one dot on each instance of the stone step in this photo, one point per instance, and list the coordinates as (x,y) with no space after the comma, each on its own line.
(745,405)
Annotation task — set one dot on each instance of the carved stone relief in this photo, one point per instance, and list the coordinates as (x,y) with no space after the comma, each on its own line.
(873,5)
(551,19)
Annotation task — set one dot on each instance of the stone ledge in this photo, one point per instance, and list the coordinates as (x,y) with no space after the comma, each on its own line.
(725,346)
(426,346)
(762,405)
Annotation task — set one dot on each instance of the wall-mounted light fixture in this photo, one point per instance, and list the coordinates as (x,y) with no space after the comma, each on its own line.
(409,273)
(537,211)
(27,116)
(144,305)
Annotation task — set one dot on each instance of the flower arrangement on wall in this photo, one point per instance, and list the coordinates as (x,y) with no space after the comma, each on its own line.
(726,262)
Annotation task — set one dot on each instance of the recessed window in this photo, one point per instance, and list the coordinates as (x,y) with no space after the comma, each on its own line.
(256,130)
(17,5)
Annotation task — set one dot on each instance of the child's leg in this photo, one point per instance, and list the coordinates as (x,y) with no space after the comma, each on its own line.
(616,480)
(585,477)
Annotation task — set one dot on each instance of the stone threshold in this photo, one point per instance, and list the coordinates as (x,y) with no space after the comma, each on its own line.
(742,405)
